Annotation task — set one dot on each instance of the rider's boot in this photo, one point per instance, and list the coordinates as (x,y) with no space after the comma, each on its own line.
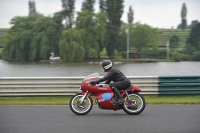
(120,100)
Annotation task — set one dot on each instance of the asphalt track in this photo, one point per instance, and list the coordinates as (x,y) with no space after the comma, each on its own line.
(60,119)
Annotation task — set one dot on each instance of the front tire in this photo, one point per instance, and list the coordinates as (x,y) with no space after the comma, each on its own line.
(135,105)
(78,107)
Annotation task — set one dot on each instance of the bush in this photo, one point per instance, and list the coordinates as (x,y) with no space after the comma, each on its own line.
(123,54)
(179,56)
(185,57)
(176,56)
(162,54)
(1,53)
(196,56)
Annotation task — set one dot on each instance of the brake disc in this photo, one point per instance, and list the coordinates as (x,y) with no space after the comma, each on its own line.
(81,105)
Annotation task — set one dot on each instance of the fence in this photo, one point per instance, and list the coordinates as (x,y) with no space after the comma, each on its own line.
(55,86)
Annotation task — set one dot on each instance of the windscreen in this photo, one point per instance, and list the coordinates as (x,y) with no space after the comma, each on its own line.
(94,75)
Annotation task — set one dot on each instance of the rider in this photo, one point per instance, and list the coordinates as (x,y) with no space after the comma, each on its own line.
(120,81)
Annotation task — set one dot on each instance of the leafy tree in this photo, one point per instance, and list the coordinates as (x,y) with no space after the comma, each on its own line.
(193,23)
(56,30)
(189,49)
(102,5)
(68,12)
(179,26)
(196,56)
(100,30)
(40,46)
(143,36)
(130,15)
(32,8)
(174,40)
(183,17)
(32,38)
(93,31)
(19,37)
(85,23)
(71,45)
(194,37)
(122,45)
(114,10)
(88,5)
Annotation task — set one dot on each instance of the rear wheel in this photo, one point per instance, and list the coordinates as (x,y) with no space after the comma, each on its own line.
(135,105)
(80,107)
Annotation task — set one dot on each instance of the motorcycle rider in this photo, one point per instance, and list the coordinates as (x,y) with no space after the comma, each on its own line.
(120,81)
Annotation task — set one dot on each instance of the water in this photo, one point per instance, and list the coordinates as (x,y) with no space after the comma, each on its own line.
(13,69)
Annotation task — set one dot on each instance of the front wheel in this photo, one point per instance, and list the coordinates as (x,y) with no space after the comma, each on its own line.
(80,107)
(134,104)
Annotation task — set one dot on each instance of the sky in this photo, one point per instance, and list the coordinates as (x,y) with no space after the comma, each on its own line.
(156,13)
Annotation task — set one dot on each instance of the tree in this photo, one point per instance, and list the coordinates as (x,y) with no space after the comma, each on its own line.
(41,42)
(114,10)
(32,8)
(174,40)
(143,36)
(68,12)
(19,38)
(56,30)
(183,17)
(193,23)
(71,45)
(194,37)
(130,15)
(102,5)
(32,38)
(88,5)
(92,27)
(100,30)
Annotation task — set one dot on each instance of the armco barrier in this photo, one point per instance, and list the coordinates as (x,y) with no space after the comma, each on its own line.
(55,86)
(179,85)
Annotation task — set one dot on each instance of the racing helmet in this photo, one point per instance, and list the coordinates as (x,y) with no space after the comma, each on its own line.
(106,64)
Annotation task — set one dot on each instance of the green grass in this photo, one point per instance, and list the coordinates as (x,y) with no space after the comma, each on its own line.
(164,35)
(64,100)
(57,100)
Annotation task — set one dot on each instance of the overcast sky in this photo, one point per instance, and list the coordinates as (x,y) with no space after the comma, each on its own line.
(157,13)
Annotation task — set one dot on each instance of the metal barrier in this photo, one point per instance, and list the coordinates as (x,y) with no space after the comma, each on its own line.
(55,86)
(179,85)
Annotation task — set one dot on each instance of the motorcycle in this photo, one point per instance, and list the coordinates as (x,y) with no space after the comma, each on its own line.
(82,102)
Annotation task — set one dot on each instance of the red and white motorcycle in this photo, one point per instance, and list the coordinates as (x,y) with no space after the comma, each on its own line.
(82,103)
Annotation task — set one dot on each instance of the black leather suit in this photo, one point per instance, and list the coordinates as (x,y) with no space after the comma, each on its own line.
(120,81)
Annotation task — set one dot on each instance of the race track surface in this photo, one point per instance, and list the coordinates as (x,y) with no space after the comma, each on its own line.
(60,119)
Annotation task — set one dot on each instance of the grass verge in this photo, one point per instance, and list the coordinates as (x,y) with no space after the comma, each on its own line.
(64,100)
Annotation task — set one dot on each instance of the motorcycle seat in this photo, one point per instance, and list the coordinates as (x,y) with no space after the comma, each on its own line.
(129,88)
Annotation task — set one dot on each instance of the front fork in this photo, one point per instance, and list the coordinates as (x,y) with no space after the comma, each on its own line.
(83,97)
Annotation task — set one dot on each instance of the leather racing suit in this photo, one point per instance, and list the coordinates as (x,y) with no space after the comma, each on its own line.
(120,81)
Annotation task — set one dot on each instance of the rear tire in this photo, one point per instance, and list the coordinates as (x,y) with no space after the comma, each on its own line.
(135,105)
(80,108)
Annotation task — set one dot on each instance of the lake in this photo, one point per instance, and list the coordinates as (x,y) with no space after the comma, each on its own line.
(69,69)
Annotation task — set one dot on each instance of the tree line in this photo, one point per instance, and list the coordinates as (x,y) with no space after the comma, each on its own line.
(34,37)
(184,25)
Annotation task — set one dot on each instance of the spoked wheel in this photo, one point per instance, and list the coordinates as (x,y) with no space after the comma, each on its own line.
(80,107)
(135,104)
